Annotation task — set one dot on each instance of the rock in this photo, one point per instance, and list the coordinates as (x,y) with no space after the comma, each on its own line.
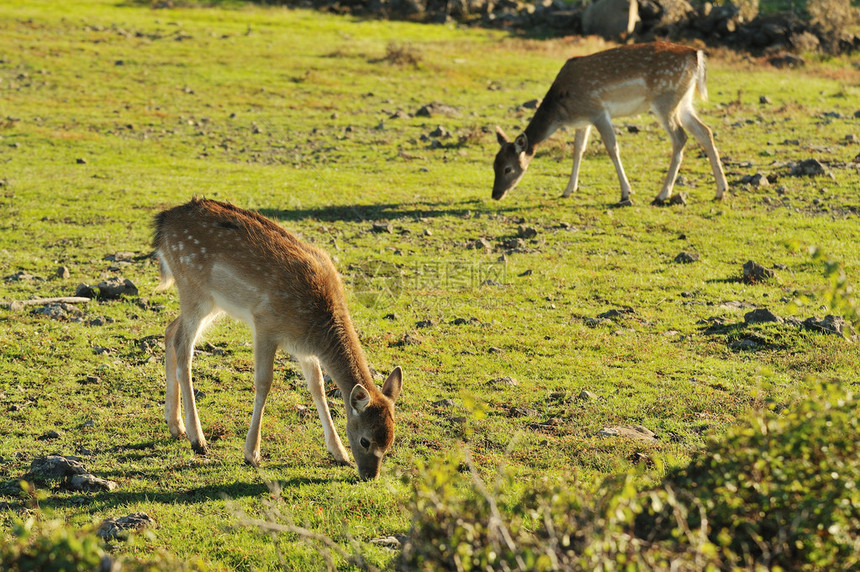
(743,344)
(586,395)
(63,272)
(118,528)
(526,232)
(382,227)
(517,411)
(506,381)
(514,244)
(759,180)
(633,432)
(49,436)
(764,100)
(392,317)
(808,168)
(761,316)
(20,277)
(686,257)
(88,482)
(85,291)
(753,272)
(434,108)
(424,324)
(115,288)
(448,403)
(479,244)
(408,340)
(90,379)
(58,311)
(440,132)
(55,467)
(615,313)
(394,542)
(786,60)
(835,325)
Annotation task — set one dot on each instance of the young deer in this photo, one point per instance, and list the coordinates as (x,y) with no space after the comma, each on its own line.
(223,258)
(623,81)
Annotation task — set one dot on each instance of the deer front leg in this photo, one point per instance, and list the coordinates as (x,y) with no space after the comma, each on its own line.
(679,139)
(264,363)
(314,377)
(607,133)
(580,142)
(172,412)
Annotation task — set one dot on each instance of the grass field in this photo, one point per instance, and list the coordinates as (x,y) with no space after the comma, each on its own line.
(111,112)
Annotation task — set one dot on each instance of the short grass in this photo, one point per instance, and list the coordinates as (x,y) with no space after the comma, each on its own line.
(112,112)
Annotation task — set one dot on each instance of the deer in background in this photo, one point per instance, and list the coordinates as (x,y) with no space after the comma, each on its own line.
(623,81)
(226,259)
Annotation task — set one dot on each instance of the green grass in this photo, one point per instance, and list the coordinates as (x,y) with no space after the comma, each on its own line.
(289,112)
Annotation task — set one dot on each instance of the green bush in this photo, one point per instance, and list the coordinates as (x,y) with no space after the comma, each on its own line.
(45,545)
(779,491)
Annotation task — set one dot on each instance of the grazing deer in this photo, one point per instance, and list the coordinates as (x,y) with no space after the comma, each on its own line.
(226,259)
(591,90)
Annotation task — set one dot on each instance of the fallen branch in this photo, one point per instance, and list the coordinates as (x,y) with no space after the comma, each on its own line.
(18,305)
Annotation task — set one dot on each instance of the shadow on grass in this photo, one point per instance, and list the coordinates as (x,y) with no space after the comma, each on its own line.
(385,211)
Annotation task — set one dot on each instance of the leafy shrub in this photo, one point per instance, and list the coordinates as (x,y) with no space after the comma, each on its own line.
(779,491)
(49,545)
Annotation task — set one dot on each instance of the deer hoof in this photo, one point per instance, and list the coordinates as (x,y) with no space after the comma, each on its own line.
(625,202)
(199,448)
(253,463)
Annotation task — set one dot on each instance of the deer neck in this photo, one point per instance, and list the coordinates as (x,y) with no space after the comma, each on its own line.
(344,359)
(544,123)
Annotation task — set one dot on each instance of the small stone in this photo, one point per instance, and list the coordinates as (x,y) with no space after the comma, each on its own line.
(85,291)
(382,227)
(586,395)
(526,232)
(744,344)
(81,161)
(633,432)
(440,132)
(479,244)
(63,272)
(444,403)
(390,317)
(754,272)
(761,316)
(55,467)
(506,381)
(115,288)
(517,411)
(835,325)
(50,435)
(394,542)
(424,324)
(764,100)
(808,168)
(686,257)
(90,379)
(88,482)
(117,528)
(759,180)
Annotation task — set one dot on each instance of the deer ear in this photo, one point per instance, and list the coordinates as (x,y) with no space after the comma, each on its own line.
(521,143)
(359,398)
(392,386)
(501,137)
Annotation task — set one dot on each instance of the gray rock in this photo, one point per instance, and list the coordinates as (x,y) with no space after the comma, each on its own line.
(382,227)
(88,482)
(744,344)
(114,288)
(586,395)
(85,291)
(526,232)
(443,403)
(434,108)
(117,528)
(686,257)
(393,542)
(479,244)
(49,436)
(63,272)
(761,316)
(808,168)
(517,411)
(835,325)
(633,432)
(754,272)
(55,467)
(506,381)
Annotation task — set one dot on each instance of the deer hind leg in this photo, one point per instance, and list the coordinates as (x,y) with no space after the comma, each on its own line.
(705,137)
(670,122)
(185,332)
(172,410)
(580,142)
(607,133)
(314,377)
(264,363)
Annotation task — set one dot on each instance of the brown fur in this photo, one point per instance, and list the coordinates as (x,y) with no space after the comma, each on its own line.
(222,257)
(591,90)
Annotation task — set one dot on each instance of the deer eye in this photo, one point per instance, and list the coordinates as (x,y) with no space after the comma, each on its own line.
(365,443)
(508,170)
